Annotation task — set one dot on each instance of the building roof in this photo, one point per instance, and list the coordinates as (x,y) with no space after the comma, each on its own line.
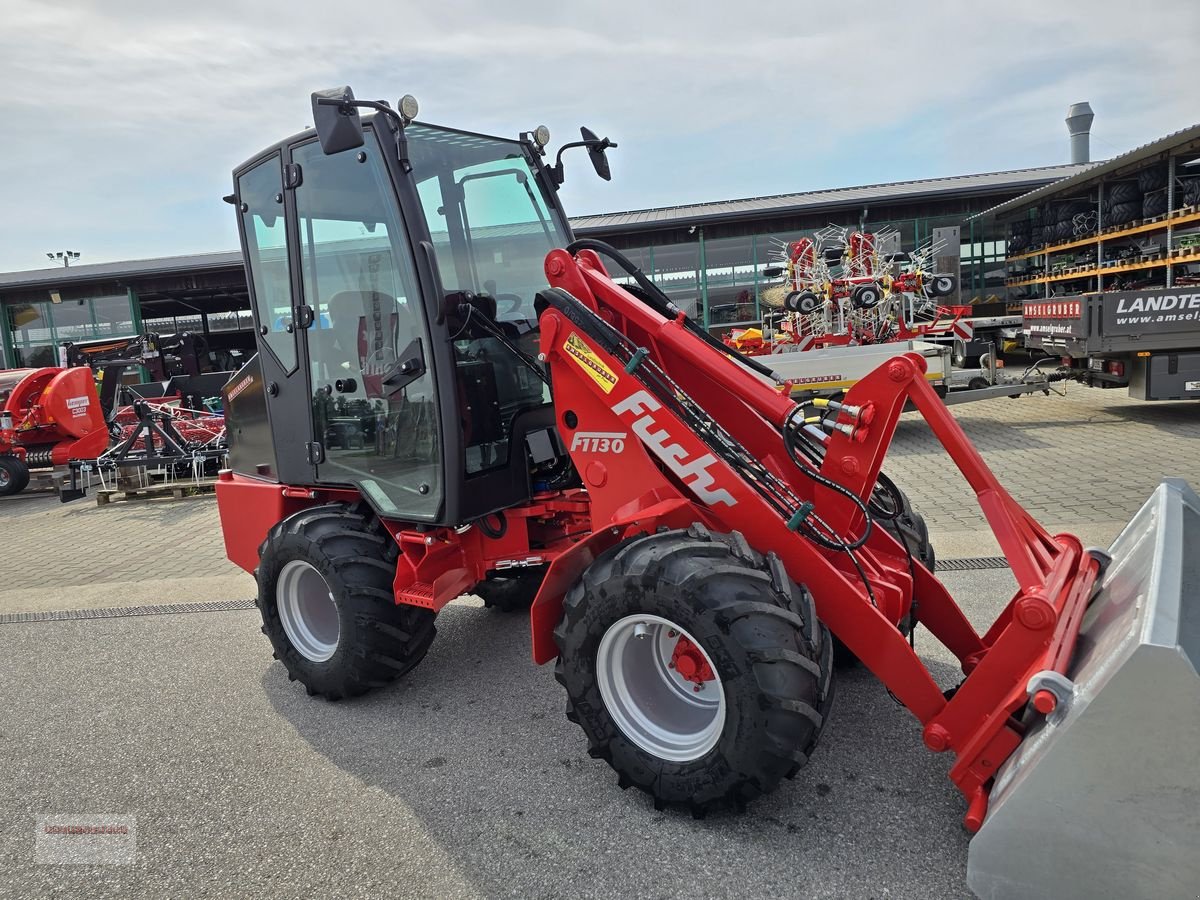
(635,220)
(785,204)
(117,271)
(1095,171)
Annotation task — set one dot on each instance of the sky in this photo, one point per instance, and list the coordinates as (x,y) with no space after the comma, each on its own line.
(122,121)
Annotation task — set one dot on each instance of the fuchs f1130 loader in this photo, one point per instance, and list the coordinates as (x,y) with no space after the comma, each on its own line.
(451,394)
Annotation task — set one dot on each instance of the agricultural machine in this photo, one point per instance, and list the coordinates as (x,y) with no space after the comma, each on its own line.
(47,417)
(840,289)
(690,541)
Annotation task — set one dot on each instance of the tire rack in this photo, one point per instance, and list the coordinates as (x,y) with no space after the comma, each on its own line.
(1167,258)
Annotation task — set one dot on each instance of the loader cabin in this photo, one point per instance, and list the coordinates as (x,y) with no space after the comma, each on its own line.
(393,267)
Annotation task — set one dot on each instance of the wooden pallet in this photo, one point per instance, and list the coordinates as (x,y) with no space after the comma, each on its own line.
(177,490)
(1150,220)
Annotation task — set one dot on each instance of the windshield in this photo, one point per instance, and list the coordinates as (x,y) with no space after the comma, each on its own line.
(491,224)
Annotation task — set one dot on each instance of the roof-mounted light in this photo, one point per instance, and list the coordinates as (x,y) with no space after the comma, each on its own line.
(541,136)
(408,108)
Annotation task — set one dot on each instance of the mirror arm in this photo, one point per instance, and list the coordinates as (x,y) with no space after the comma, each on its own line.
(557,169)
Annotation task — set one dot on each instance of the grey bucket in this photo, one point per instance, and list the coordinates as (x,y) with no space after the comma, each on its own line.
(1102,798)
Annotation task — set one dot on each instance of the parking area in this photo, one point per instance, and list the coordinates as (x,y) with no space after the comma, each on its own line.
(465,779)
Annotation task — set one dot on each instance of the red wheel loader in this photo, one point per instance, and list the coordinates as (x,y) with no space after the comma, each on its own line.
(452,395)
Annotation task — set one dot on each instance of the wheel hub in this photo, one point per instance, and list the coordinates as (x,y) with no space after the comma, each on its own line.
(660,688)
(307,611)
(691,663)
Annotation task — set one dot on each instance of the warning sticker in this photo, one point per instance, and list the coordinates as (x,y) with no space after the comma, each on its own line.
(590,362)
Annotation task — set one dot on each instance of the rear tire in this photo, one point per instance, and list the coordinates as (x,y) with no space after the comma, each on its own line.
(14,475)
(325,594)
(758,719)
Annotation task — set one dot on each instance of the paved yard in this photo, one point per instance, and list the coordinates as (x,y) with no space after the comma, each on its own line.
(465,779)
(1090,458)
(1086,461)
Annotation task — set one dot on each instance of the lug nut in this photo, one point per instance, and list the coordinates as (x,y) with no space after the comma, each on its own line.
(641,630)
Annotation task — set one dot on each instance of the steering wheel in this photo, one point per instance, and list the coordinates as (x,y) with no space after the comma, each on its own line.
(514,301)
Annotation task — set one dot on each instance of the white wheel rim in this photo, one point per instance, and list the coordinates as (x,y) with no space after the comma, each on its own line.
(651,702)
(307,611)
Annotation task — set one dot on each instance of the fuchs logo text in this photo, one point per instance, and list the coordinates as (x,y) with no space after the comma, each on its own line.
(694,474)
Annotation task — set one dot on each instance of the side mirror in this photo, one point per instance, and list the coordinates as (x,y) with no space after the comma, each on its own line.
(772,272)
(336,119)
(595,149)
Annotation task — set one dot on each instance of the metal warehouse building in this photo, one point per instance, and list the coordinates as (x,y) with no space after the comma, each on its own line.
(709,256)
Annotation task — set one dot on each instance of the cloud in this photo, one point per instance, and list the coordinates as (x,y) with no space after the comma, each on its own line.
(124,119)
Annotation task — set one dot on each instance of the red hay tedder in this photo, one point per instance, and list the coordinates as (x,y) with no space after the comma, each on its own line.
(690,540)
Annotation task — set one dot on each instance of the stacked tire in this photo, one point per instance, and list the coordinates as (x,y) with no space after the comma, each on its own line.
(1064,217)
(1018,235)
(1152,179)
(1123,203)
(1190,192)
(1154,203)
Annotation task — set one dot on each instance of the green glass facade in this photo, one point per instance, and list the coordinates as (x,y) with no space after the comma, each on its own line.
(34,330)
(720,279)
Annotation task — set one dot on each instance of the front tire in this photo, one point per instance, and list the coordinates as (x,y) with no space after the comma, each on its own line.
(14,475)
(697,669)
(325,594)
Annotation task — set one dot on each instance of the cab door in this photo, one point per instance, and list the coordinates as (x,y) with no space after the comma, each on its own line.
(270,257)
(375,418)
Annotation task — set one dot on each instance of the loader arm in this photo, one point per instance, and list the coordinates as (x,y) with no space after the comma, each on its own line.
(699,425)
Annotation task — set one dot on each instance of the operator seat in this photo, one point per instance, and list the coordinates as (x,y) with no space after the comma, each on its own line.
(367,329)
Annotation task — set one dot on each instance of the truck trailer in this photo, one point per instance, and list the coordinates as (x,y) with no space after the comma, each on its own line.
(1146,340)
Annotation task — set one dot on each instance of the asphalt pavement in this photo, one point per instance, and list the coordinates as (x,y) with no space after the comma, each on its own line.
(465,779)
(462,780)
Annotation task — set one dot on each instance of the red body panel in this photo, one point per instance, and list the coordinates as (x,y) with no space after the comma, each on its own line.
(55,409)
(1055,576)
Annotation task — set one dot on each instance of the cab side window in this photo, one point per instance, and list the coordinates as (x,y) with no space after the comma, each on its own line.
(260,191)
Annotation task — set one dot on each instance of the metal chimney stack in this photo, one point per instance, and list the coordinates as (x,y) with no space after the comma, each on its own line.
(1079,123)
